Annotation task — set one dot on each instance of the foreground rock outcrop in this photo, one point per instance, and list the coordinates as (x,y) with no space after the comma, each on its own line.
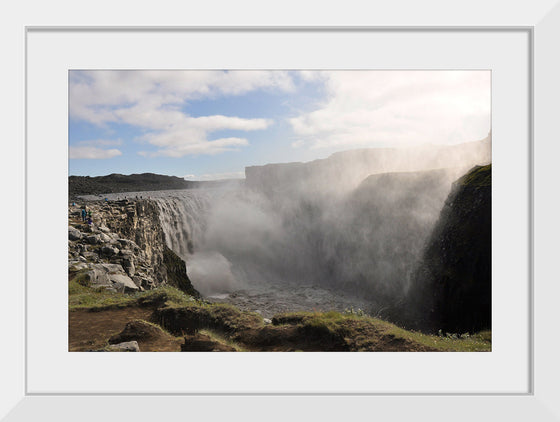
(452,288)
(122,248)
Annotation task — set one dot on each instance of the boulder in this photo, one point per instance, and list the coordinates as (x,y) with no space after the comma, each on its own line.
(74,234)
(93,239)
(77,266)
(107,275)
(104,238)
(127,346)
(105,229)
(109,250)
(123,283)
(127,244)
(92,256)
(137,330)
(112,268)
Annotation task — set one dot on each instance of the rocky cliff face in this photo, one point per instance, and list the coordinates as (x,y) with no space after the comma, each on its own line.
(452,289)
(123,248)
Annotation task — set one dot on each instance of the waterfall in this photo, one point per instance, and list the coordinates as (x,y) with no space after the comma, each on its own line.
(183,220)
(365,241)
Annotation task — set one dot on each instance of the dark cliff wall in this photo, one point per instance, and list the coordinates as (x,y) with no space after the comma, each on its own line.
(452,289)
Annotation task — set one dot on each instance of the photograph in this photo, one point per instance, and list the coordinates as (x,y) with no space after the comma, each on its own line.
(279,210)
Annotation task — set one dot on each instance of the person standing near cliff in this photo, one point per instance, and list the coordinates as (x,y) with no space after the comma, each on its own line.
(84,214)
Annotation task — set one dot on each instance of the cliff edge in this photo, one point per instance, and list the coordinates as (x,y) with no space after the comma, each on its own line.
(452,288)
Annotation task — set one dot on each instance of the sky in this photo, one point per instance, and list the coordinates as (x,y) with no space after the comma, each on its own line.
(207,125)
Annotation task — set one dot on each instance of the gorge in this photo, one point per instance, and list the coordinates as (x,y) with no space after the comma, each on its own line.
(349,231)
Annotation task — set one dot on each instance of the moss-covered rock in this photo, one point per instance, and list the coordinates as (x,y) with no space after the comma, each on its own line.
(177,272)
(452,288)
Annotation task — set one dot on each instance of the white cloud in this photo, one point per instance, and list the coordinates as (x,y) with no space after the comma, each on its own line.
(88,152)
(100,143)
(367,108)
(152,100)
(176,149)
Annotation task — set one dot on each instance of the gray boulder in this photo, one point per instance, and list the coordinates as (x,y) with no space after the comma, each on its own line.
(127,346)
(113,268)
(74,234)
(109,250)
(93,239)
(105,229)
(104,238)
(101,275)
(92,256)
(123,283)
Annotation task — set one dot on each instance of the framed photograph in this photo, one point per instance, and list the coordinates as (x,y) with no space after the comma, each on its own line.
(515,379)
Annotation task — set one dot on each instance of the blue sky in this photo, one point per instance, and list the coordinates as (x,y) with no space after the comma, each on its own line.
(206,125)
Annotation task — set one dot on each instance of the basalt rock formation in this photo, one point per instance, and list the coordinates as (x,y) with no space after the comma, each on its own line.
(123,248)
(452,289)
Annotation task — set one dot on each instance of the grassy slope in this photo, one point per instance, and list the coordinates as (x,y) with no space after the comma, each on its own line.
(223,322)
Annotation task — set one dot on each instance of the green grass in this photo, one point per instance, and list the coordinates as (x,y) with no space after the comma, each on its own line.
(477,176)
(226,318)
(220,338)
(480,342)
(82,297)
(345,324)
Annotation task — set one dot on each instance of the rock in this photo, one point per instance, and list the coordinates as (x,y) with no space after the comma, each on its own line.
(109,250)
(127,243)
(267,321)
(104,238)
(113,268)
(123,283)
(144,282)
(107,275)
(127,346)
(128,265)
(203,343)
(105,229)
(93,239)
(86,228)
(114,237)
(128,235)
(74,234)
(452,288)
(92,256)
(137,330)
(77,266)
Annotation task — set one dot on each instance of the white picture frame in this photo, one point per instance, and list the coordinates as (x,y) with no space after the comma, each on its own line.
(540,21)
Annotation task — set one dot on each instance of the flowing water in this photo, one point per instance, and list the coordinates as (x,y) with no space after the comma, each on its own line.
(233,244)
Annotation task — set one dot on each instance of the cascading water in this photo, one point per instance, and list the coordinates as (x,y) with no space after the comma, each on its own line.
(183,219)
(294,252)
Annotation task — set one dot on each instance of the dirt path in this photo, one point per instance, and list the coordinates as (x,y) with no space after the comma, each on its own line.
(90,330)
